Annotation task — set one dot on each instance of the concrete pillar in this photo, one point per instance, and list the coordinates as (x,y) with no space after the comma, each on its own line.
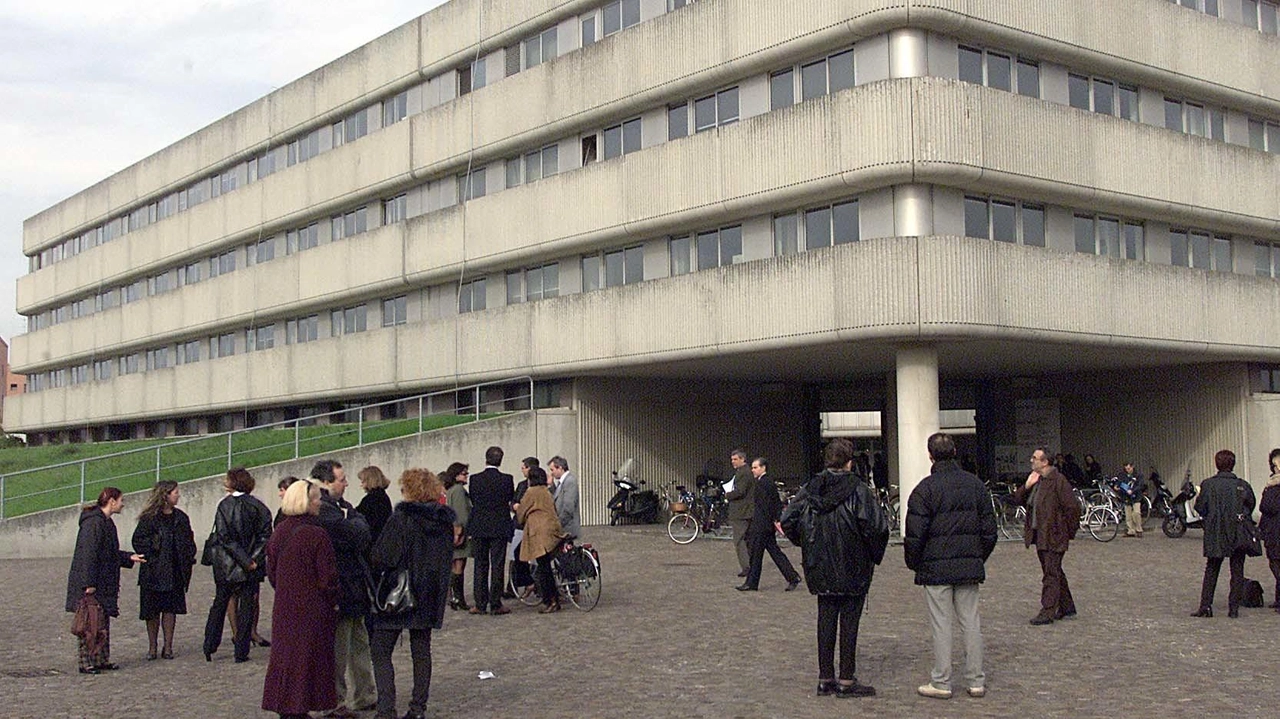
(908,53)
(917,413)
(912,211)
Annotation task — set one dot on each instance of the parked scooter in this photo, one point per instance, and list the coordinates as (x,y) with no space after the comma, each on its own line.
(1183,516)
(1161,497)
(632,501)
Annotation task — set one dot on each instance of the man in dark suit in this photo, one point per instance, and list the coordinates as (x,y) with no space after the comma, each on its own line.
(490,527)
(741,507)
(762,535)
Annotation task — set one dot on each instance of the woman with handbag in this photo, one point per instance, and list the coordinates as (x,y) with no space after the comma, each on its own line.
(95,571)
(1269,525)
(163,534)
(303,569)
(455,490)
(417,546)
(236,550)
(1223,501)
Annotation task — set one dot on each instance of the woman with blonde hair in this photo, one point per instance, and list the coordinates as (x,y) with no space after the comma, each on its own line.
(302,568)
(418,538)
(163,535)
(376,505)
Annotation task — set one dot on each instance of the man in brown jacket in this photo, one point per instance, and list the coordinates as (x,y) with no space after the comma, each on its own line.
(1053,516)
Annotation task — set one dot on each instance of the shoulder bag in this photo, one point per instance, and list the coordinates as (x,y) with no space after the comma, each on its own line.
(1247,537)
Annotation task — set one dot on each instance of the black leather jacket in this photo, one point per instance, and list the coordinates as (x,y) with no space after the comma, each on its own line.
(841,530)
(241,530)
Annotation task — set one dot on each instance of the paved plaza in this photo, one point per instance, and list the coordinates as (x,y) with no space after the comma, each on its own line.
(671,638)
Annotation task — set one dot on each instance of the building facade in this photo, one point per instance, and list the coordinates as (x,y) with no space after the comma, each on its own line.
(702,224)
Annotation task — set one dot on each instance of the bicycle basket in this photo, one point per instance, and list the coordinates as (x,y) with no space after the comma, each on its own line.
(678,507)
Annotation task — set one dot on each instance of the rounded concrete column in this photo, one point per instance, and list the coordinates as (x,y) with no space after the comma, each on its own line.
(917,414)
(908,53)
(912,210)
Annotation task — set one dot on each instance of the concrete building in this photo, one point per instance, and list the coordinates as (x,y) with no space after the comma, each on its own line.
(700,225)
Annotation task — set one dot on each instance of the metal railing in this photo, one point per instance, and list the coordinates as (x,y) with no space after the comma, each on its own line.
(198,457)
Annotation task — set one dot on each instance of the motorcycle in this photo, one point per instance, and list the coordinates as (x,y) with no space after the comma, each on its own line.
(1183,516)
(632,501)
(1161,497)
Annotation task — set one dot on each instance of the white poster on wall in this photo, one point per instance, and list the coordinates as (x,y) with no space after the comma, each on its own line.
(1038,425)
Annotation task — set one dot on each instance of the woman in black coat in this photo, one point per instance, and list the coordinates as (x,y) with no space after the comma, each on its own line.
(164,535)
(418,537)
(236,550)
(376,505)
(95,571)
(1269,525)
(842,533)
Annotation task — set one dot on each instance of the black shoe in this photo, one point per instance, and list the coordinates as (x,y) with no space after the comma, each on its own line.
(1206,612)
(88,671)
(1041,619)
(108,667)
(508,594)
(499,611)
(746,588)
(791,585)
(1065,615)
(261,642)
(152,656)
(241,660)
(1233,613)
(743,573)
(826,687)
(166,654)
(208,655)
(855,690)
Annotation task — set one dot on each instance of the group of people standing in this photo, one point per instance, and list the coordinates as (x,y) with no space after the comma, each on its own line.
(538,513)
(332,649)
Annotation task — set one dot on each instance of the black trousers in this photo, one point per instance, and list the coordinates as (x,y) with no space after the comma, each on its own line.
(1275,572)
(759,543)
(382,641)
(489,573)
(1212,566)
(844,611)
(546,580)
(246,595)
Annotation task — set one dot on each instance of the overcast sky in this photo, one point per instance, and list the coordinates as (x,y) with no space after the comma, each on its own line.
(89,88)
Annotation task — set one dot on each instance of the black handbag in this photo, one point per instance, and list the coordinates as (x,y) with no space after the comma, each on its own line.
(1248,538)
(392,593)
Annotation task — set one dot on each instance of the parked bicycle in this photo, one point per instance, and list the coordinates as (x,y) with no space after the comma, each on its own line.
(1100,512)
(1010,518)
(697,513)
(576,569)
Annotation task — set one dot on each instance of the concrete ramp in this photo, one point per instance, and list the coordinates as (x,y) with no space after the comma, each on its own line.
(541,433)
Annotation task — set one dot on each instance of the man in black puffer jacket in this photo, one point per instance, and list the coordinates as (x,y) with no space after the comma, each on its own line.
(951,530)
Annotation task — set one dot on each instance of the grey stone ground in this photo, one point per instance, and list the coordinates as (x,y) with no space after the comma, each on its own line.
(671,638)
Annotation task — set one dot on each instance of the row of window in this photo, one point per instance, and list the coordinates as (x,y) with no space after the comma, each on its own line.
(1106,96)
(343,321)
(611,18)
(1261,15)
(342,226)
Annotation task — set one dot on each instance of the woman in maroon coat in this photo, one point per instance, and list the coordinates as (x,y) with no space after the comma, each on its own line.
(302,569)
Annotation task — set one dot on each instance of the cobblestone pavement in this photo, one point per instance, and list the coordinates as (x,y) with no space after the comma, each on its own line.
(671,638)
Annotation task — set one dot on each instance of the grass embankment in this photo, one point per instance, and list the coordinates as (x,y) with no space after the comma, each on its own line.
(131,466)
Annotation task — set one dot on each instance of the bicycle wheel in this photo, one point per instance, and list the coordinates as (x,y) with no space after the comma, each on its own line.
(584,589)
(1010,520)
(528,596)
(682,528)
(1103,523)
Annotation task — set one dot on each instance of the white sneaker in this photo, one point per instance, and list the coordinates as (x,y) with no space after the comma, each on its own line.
(929,690)
(977,692)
